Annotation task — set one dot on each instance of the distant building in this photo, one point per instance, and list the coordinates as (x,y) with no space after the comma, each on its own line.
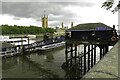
(45,21)
(71,24)
(61,31)
(62,25)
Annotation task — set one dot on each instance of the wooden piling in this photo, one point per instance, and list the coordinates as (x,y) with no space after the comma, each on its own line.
(81,63)
(95,55)
(101,52)
(66,53)
(71,57)
(88,57)
(91,56)
(75,53)
(84,59)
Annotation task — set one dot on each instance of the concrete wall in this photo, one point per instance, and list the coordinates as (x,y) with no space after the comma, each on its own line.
(107,67)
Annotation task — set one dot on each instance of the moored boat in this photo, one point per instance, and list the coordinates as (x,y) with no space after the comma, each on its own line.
(50,46)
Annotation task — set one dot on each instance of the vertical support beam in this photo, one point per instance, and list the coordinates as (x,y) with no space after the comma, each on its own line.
(75,52)
(66,52)
(95,55)
(91,56)
(71,56)
(84,59)
(88,57)
(101,52)
(81,64)
(106,49)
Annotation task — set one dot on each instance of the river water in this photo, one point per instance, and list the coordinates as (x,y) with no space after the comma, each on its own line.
(35,65)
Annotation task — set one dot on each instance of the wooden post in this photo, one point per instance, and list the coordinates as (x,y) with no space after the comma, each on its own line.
(107,48)
(88,57)
(81,63)
(71,47)
(92,56)
(104,51)
(75,53)
(95,55)
(84,59)
(101,52)
(66,52)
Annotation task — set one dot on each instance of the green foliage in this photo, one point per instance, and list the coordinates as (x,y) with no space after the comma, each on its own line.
(6,29)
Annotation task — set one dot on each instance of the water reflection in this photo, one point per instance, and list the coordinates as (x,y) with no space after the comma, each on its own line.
(49,57)
(42,65)
(38,65)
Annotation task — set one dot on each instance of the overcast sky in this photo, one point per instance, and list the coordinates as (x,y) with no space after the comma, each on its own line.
(26,12)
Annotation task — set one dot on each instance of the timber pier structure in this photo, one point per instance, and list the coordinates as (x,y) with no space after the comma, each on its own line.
(79,63)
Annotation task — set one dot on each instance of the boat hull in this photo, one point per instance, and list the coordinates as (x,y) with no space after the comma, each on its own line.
(50,47)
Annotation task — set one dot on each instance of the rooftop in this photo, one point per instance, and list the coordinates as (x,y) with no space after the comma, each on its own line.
(90,26)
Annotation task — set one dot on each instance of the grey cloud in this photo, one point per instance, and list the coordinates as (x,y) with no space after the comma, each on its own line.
(56,23)
(36,9)
(81,4)
(16,18)
(45,1)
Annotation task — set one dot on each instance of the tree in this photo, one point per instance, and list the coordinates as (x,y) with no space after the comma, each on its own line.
(108,4)
(6,29)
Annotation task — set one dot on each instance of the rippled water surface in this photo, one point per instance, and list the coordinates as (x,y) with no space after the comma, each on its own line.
(36,65)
